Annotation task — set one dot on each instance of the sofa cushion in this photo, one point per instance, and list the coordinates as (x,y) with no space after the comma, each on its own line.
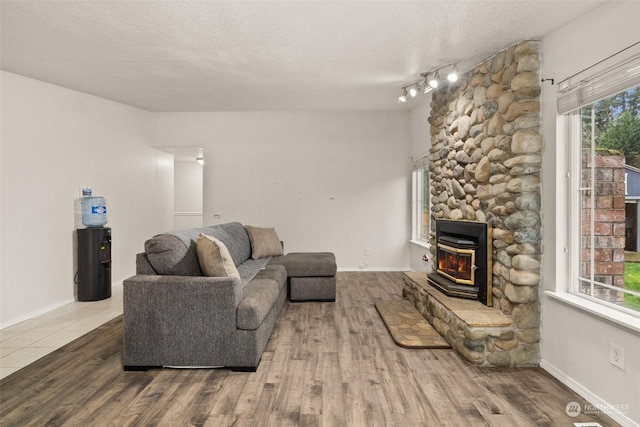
(307,264)
(235,236)
(143,266)
(260,295)
(250,268)
(232,234)
(167,254)
(274,272)
(175,252)
(214,258)
(264,242)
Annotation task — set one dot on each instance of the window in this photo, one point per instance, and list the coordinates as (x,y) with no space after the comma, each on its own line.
(604,140)
(421,206)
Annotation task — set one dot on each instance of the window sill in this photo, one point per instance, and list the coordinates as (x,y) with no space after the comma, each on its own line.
(623,319)
(421,243)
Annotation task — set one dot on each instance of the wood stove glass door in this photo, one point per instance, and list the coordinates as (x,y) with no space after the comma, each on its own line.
(457,264)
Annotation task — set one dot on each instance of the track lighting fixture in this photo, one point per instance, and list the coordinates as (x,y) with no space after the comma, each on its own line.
(428,81)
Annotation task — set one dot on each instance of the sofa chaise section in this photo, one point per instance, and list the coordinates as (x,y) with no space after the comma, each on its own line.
(312,275)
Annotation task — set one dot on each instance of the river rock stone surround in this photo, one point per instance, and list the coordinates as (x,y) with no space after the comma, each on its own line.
(485,166)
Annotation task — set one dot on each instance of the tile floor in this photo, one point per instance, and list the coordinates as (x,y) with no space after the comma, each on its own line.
(26,342)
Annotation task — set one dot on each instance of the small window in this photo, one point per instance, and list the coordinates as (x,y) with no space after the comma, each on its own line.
(421,207)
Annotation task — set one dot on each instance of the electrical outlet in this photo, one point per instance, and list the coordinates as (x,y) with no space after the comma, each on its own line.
(616,355)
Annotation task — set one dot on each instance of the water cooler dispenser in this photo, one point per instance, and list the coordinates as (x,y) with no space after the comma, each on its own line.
(94,263)
(94,250)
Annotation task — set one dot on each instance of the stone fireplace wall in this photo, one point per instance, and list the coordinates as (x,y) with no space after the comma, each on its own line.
(485,166)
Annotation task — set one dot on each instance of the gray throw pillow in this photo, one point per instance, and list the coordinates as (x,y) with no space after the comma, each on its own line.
(264,242)
(168,255)
(214,257)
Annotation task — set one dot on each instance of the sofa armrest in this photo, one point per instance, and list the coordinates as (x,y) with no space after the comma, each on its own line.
(222,289)
(179,320)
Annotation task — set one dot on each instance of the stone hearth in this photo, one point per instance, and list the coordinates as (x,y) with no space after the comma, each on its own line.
(480,334)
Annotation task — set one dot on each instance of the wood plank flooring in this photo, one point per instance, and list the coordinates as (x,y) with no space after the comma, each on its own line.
(326,364)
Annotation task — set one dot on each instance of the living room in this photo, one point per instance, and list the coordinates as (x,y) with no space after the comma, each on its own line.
(329,179)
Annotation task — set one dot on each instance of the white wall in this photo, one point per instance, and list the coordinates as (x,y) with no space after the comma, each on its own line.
(420,142)
(575,344)
(327,181)
(420,136)
(55,140)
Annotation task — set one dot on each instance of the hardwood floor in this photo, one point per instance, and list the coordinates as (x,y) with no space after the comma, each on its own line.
(330,364)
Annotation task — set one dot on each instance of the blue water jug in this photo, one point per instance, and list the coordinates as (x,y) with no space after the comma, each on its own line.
(94,211)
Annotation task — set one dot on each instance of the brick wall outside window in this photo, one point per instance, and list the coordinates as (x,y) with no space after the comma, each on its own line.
(608,238)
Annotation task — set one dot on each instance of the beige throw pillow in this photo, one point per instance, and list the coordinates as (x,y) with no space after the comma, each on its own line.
(214,257)
(264,242)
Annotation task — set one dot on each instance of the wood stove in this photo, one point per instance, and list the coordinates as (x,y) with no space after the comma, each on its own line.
(463,260)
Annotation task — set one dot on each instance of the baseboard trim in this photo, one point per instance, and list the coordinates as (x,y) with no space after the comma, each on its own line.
(588,395)
(47,309)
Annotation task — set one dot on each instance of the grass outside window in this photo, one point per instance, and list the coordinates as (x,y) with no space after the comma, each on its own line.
(632,282)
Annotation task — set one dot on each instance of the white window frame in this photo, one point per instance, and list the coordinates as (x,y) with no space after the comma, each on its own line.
(566,270)
(574,132)
(417,192)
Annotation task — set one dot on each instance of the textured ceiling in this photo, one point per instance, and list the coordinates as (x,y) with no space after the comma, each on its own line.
(261,55)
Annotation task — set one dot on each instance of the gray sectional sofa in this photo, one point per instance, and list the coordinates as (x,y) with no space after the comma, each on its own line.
(176,316)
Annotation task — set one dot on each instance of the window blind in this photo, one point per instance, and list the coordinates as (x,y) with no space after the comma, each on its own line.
(578,91)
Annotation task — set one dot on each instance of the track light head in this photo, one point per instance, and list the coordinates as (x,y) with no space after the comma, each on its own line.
(433,81)
(453,75)
(414,90)
(403,97)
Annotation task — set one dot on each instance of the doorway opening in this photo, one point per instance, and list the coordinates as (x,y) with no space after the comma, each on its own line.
(188,179)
